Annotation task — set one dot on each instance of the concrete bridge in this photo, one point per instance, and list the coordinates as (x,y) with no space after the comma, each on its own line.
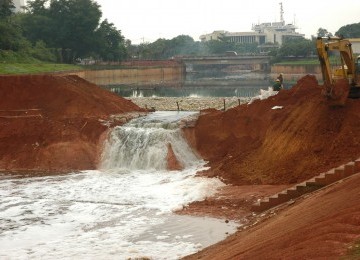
(249,62)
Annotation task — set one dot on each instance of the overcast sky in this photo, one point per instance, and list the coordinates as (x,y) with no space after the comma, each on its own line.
(148,20)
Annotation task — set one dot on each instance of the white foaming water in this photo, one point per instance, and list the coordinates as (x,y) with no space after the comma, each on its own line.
(142,143)
(123,211)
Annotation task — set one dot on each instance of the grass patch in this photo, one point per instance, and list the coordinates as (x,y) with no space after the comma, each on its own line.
(35,68)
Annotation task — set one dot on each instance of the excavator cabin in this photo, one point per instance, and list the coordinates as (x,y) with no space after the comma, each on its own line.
(342,82)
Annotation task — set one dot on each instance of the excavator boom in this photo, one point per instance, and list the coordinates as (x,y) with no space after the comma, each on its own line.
(337,85)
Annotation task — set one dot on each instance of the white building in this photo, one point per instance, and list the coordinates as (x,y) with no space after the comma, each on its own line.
(18,4)
(273,33)
(355,45)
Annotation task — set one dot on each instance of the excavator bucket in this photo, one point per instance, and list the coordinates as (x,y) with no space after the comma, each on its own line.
(338,92)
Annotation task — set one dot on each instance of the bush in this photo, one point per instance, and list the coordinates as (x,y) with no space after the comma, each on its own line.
(16,57)
(40,52)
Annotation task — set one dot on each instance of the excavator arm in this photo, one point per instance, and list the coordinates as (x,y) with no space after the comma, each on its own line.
(336,84)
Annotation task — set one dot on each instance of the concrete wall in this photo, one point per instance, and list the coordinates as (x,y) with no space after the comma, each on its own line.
(135,76)
(293,73)
(173,76)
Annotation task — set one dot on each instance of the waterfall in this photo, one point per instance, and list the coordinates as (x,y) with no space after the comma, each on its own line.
(142,143)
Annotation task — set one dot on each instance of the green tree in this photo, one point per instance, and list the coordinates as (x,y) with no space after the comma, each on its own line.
(246,48)
(74,23)
(37,7)
(41,52)
(10,32)
(6,8)
(219,47)
(159,49)
(349,31)
(295,48)
(36,27)
(11,37)
(66,25)
(165,49)
(180,45)
(323,33)
(111,44)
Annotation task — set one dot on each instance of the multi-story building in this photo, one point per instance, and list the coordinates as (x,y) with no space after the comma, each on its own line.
(274,33)
(264,33)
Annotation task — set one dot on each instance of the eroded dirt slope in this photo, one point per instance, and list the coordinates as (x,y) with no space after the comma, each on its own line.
(255,144)
(52,123)
(321,226)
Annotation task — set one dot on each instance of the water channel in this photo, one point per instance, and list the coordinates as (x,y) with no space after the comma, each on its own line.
(245,84)
(125,209)
(122,211)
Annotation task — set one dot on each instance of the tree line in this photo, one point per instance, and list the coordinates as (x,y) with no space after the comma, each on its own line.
(60,30)
(185,45)
(67,30)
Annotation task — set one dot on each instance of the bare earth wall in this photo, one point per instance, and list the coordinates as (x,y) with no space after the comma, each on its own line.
(134,76)
(173,75)
(293,73)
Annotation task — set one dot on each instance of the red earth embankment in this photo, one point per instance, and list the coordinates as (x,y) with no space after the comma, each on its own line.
(255,144)
(322,226)
(53,123)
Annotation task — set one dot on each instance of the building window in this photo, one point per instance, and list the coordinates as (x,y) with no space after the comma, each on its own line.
(262,39)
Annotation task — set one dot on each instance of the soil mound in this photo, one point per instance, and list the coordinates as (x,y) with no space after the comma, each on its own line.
(54,122)
(284,139)
(322,226)
(60,96)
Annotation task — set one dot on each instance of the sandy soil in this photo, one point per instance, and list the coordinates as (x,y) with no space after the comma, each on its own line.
(188,103)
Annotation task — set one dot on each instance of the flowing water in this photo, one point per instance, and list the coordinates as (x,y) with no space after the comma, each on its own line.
(125,210)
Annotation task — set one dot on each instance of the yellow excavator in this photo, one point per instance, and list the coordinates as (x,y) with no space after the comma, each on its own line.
(343,82)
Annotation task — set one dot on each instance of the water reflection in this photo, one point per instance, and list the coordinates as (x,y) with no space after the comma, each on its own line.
(204,91)
(198,86)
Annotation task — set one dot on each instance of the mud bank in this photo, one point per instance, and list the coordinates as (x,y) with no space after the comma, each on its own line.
(259,151)
(322,225)
(257,144)
(55,123)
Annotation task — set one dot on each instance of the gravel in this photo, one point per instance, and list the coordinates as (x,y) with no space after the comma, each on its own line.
(187,103)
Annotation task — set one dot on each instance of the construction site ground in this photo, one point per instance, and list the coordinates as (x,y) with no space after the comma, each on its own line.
(56,124)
